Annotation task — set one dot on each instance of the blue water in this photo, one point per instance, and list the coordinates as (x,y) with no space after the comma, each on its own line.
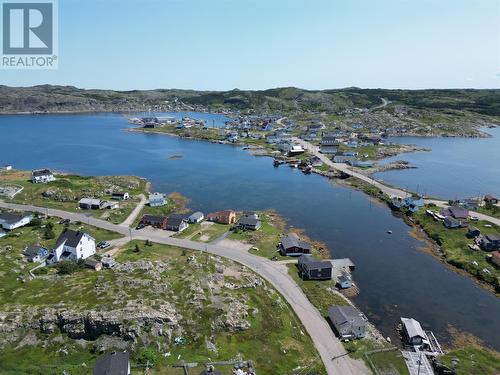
(395,278)
(455,168)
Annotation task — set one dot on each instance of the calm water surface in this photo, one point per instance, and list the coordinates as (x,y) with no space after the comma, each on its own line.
(395,277)
(455,168)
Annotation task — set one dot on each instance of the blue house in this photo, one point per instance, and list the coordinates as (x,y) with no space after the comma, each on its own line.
(157,200)
(35,253)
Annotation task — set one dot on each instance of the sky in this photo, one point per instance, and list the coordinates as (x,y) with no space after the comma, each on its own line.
(260,44)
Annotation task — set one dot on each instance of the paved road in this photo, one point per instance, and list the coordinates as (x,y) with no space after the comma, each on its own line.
(323,337)
(136,211)
(342,167)
(390,191)
(384,103)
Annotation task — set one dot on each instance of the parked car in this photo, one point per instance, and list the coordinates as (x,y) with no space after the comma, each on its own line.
(64,221)
(140,226)
(103,245)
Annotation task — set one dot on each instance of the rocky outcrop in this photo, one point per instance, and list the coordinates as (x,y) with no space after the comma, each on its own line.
(92,324)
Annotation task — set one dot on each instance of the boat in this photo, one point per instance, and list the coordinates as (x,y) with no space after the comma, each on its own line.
(389,232)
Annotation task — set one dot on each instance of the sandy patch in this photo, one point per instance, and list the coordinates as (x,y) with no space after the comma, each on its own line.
(235,245)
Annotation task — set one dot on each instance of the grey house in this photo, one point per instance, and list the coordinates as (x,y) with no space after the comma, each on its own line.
(249,223)
(195,217)
(314,269)
(348,321)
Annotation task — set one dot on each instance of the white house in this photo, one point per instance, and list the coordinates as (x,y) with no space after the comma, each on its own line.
(12,221)
(196,217)
(157,200)
(72,245)
(121,196)
(42,176)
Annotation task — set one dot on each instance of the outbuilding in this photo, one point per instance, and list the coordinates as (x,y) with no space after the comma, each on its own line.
(121,196)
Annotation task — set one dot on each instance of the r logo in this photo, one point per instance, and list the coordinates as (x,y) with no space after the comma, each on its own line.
(27,28)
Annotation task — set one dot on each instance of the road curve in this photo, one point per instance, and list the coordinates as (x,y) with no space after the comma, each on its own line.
(327,344)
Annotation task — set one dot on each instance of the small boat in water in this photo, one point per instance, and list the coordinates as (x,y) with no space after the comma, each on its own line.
(389,232)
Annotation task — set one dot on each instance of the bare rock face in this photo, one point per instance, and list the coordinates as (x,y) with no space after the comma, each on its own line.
(92,324)
(234,318)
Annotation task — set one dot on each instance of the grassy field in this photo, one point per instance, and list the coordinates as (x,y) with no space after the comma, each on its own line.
(67,190)
(454,245)
(275,339)
(322,294)
(491,211)
(472,360)
(265,239)
(385,362)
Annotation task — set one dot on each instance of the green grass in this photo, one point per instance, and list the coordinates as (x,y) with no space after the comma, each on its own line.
(276,340)
(71,188)
(491,211)
(265,239)
(454,246)
(389,362)
(322,294)
(473,360)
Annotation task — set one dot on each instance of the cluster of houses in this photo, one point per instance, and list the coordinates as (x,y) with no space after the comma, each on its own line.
(253,123)
(411,203)
(98,204)
(180,222)
(456,217)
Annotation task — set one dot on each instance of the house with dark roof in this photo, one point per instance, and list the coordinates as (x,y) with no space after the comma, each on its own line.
(450,222)
(176,223)
(155,221)
(311,268)
(91,204)
(490,241)
(72,245)
(293,245)
(455,212)
(120,196)
(35,253)
(490,199)
(114,363)
(249,223)
(348,321)
(473,232)
(10,221)
(93,264)
(42,176)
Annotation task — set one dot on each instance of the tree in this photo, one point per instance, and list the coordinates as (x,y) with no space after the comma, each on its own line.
(136,248)
(49,233)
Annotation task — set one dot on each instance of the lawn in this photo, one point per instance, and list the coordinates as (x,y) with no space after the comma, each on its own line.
(385,362)
(275,339)
(322,294)
(472,360)
(454,245)
(67,190)
(265,239)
